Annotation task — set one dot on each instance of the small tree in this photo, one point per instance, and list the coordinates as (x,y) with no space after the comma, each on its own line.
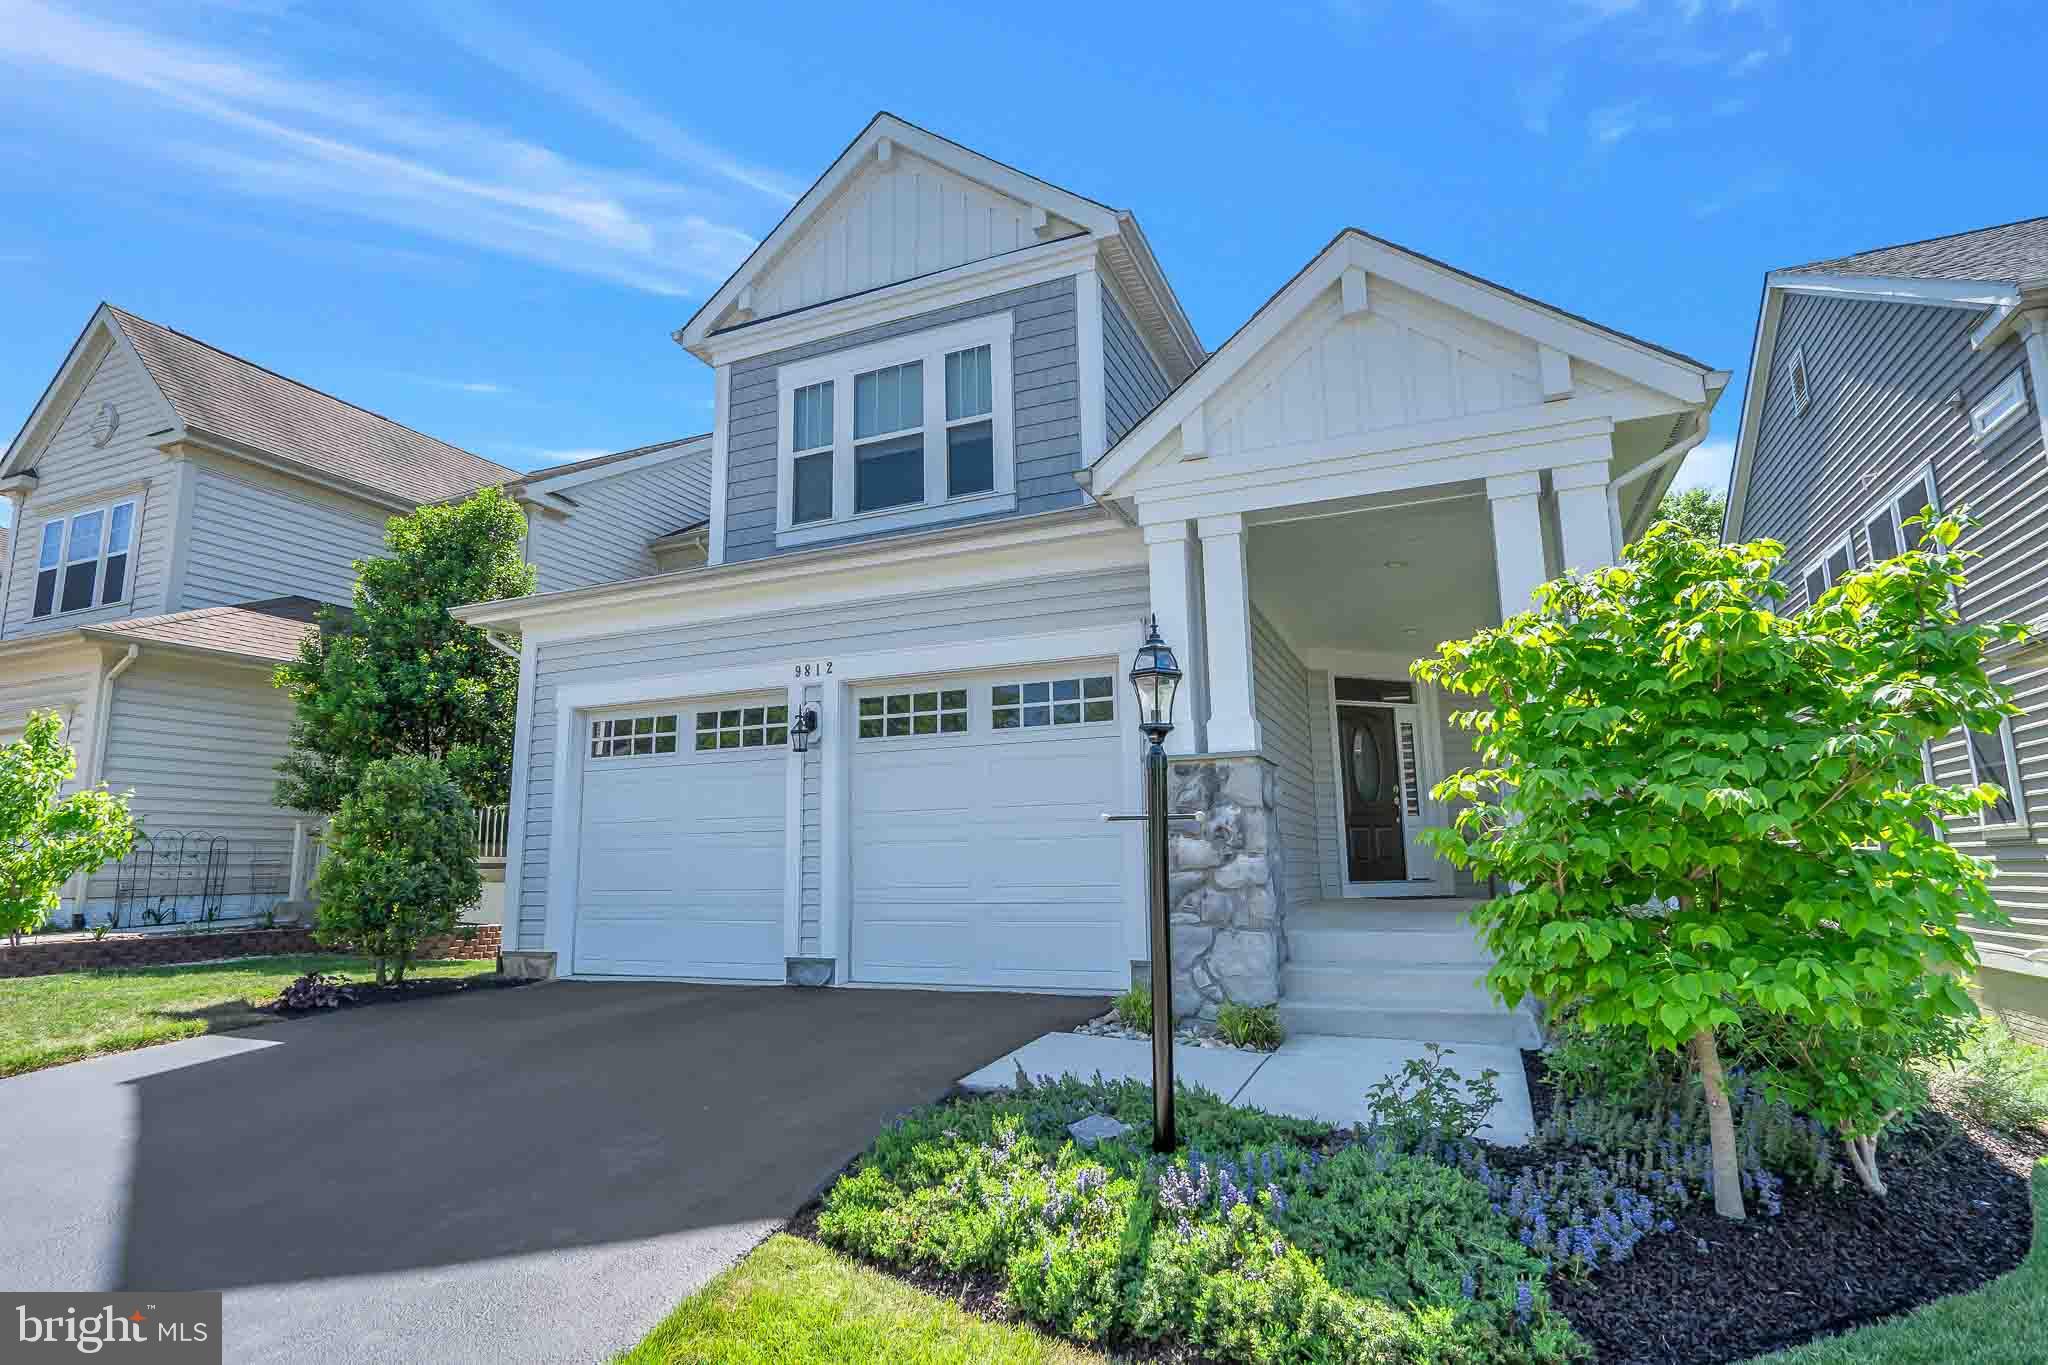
(400,865)
(1711,814)
(46,839)
(399,675)
(1696,509)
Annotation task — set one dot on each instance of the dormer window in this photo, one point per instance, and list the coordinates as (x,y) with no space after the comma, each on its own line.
(906,432)
(83,560)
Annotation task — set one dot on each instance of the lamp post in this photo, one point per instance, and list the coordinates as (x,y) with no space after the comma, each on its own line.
(1155,677)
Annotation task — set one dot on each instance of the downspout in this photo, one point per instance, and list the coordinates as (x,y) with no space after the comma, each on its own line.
(1677,450)
(497,642)
(103,700)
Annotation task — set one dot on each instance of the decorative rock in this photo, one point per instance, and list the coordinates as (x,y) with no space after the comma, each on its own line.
(1190,854)
(1245,783)
(1097,1128)
(1246,965)
(1181,885)
(1247,869)
(1190,942)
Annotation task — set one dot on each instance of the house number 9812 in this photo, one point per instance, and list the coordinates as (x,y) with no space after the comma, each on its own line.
(814,670)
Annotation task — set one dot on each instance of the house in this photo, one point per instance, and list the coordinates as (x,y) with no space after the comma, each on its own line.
(1895,380)
(180,516)
(965,443)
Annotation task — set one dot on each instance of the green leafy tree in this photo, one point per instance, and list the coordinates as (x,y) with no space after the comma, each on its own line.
(45,838)
(1696,509)
(400,864)
(1713,818)
(398,675)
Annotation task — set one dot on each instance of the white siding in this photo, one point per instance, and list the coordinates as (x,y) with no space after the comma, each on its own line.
(1281,685)
(255,536)
(74,475)
(605,539)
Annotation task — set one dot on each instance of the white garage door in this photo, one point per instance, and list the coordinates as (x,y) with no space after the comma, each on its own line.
(979,853)
(680,865)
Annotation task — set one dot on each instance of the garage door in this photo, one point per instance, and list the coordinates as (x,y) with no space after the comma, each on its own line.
(680,866)
(979,853)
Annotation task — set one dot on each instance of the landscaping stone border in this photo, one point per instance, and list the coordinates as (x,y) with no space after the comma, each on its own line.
(70,954)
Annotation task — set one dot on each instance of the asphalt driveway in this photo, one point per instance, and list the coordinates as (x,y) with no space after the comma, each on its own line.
(533,1174)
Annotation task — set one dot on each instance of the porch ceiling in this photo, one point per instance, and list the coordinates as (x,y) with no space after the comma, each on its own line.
(1395,579)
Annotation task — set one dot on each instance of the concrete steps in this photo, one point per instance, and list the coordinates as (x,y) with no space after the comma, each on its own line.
(1366,969)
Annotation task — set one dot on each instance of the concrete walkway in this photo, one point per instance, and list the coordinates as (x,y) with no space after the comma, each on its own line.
(1312,1076)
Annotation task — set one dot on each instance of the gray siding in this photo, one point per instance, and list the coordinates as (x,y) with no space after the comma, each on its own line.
(1891,387)
(1281,698)
(605,539)
(255,538)
(1046,421)
(1132,381)
(1073,602)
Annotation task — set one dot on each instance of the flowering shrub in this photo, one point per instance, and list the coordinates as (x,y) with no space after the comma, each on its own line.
(313,991)
(1662,1127)
(1430,1103)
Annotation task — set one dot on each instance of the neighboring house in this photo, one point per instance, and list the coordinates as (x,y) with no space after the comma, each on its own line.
(179,517)
(965,442)
(1886,382)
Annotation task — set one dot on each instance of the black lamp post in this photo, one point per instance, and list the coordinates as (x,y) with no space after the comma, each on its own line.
(1155,677)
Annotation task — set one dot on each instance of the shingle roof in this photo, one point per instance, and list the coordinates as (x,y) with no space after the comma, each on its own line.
(269,630)
(2009,252)
(577,466)
(226,396)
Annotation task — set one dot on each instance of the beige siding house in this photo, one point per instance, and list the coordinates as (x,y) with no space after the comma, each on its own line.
(180,517)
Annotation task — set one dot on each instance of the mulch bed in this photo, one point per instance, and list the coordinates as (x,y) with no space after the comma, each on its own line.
(1957,1215)
(358,993)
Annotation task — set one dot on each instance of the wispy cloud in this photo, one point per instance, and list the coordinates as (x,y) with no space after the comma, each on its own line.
(1744,189)
(1537,97)
(1757,58)
(458,385)
(266,130)
(1618,122)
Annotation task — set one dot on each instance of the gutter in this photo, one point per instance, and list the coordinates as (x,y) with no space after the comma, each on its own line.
(1663,459)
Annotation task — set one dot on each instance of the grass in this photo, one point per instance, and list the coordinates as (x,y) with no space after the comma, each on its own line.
(2003,1322)
(793,1302)
(49,1020)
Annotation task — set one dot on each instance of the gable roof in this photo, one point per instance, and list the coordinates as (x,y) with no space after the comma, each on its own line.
(218,394)
(1128,255)
(268,631)
(2015,252)
(532,478)
(1645,362)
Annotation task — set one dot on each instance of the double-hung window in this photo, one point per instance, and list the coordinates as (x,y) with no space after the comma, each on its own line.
(1886,524)
(1992,760)
(906,432)
(1831,568)
(83,560)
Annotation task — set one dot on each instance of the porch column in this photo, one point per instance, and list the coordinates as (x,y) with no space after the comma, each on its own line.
(1583,523)
(1176,574)
(1517,538)
(1227,616)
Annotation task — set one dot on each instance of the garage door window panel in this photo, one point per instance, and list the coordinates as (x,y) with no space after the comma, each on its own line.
(632,736)
(1028,705)
(903,715)
(742,727)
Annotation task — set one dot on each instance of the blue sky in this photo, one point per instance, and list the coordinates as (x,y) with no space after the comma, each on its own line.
(483,220)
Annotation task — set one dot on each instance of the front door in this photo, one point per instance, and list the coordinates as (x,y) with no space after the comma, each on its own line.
(1374,843)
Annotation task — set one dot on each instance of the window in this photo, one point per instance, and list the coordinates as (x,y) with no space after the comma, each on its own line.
(1992,760)
(1795,371)
(1054,701)
(1375,689)
(2000,406)
(898,714)
(811,474)
(743,727)
(1830,569)
(83,561)
(632,736)
(905,432)
(1886,525)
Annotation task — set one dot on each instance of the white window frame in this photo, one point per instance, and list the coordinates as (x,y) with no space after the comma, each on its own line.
(99,570)
(2016,791)
(1845,541)
(1800,378)
(1080,701)
(1999,408)
(840,367)
(1888,510)
(610,733)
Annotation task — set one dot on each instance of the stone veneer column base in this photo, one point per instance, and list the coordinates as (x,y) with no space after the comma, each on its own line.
(809,971)
(527,965)
(1224,883)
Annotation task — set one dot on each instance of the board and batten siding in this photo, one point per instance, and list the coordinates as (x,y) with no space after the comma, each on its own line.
(73,475)
(254,536)
(1033,607)
(199,744)
(1890,390)
(1132,380)
(605,540)
(1280,695)
(1045,394)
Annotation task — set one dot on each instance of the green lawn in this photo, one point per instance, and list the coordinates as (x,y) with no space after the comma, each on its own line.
(45,1020)
(794,1302)
(2002,1323)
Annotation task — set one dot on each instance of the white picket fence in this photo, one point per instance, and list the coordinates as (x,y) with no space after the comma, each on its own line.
(309,845)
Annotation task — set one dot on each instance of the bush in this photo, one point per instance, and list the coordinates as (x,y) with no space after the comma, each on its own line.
(46,838)
(400,864)
(1256,1026)
(1134,1009)
(1430,1104)
(1248,1246)
(313,991)
(2000,1081)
